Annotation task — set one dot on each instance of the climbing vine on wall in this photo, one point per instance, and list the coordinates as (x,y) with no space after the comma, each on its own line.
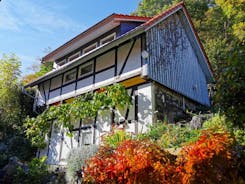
(85,106)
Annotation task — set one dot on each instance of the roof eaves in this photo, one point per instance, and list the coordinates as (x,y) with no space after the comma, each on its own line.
(94,27)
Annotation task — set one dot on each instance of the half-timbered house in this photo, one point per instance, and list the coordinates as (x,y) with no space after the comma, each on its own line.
(160,60)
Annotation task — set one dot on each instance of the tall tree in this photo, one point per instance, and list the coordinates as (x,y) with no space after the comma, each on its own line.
(9,90)
(14,106)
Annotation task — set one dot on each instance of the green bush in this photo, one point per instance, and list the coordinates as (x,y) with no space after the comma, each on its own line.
(218,123)
(170,135)
(240,136)
(114,138)
(20,147)
(155,132)
(76,160)
(36,172)
(176,136)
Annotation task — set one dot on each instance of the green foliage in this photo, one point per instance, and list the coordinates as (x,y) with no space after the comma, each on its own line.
(218,123)
(155,132)
(37,173)
(176,136)
(14,106)
(84,106)
(9,91)
(152,7)
(231,86)
(234,11)
(116,137)
(44,68)
(240,136)
(170,135)
(20,147)
(77,158)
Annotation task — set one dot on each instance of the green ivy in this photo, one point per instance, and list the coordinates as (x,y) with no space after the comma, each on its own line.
(85,106)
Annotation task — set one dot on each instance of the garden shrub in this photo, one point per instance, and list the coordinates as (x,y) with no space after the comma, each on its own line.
(218,123)
(209,160)
(20,147)
(36,172)
(133,161)
(114,138)
(170,135)
(155,132)
(176,136)
(240,136)
(76,160)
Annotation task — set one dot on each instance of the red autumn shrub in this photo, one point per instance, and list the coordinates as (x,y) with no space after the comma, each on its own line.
(208,160)
(132,161)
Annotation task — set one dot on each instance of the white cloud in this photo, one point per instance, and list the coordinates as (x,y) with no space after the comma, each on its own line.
(15,15)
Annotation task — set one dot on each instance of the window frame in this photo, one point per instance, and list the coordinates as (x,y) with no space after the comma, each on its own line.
(85,133)
(73,56)
(89,48)
(61,63)
(108,37)
(83,66)
(67,73)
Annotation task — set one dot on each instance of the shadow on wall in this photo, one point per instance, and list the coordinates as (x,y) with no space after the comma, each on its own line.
(145,112)
(54,145)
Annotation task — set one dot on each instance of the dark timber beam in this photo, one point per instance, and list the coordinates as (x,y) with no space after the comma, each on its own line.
(125,62)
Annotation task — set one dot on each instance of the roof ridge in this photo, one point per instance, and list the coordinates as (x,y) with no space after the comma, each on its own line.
(127,15)
(165,12)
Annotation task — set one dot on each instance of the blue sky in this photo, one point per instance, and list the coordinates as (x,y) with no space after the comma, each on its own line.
(28,27)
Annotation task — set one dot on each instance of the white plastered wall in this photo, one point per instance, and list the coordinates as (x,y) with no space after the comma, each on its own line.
(145,107)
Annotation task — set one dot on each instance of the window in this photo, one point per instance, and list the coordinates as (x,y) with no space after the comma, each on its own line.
(89,48)
(56,82)
(86,137)
(70,76)
(86,69)
(74,56)
(108,39)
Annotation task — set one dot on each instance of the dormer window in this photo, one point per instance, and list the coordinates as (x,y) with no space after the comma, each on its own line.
(74,56)
(108,39)
(89,48)
(86,69)
(70,76)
